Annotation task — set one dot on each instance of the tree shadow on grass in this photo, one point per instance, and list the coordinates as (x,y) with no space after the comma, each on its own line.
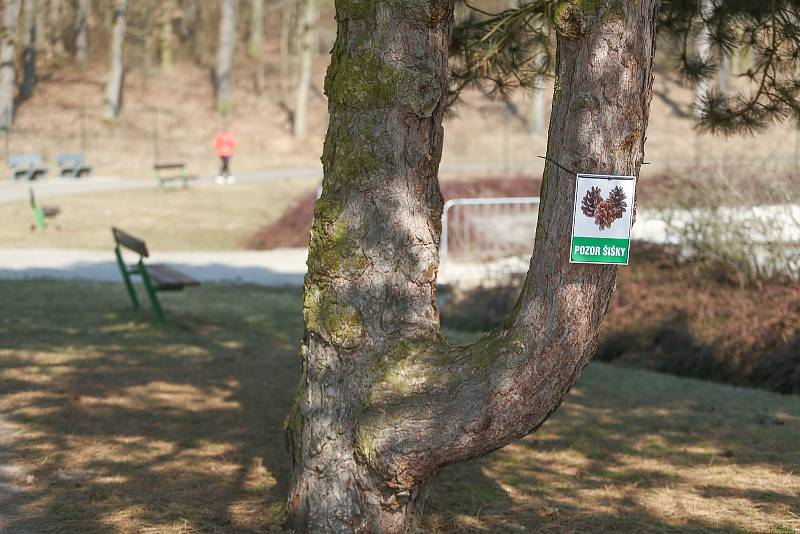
(120,424)
(128,425)
(636,451)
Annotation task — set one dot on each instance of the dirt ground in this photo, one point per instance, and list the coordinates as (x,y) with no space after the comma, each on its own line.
(113,423)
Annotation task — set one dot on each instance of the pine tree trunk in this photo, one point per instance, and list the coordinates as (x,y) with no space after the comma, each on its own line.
(29,53)
(307,27)
(8,56)
(82,31)
(116,71)
(255,44)
(383,401)
(167,7)
(225,50)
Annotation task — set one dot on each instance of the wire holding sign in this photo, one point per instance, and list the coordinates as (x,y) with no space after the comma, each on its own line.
(601,221)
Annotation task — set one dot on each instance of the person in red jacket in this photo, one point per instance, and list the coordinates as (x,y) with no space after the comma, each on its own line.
(225,144)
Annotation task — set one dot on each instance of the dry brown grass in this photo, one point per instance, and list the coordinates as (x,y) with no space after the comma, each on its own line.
(118,424)
(202,217)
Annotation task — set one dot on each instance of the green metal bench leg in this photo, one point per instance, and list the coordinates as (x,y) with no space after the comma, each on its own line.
(39,214)
(151,292)
(126,277)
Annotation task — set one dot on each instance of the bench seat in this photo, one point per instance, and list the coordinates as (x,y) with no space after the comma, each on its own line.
(168,279)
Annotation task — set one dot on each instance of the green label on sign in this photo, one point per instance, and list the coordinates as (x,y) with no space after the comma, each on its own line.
(599,250)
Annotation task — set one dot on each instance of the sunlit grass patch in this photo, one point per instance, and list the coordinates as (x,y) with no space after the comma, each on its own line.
(121,424)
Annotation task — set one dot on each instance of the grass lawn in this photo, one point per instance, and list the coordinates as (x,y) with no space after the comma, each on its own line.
(112,423)
(202,217)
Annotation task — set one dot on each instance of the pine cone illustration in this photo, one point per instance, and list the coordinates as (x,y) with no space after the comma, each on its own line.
(617,197)
(604,212)
(590,201)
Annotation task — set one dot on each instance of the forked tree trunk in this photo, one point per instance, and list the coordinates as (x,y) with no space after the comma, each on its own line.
(383,401)
(307,27)
(117,68)
(255,43)
(225,50)
(29,52)
(81,31)
(8,56)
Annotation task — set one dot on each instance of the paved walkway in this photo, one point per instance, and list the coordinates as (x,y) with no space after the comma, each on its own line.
(50,187)
(278,267)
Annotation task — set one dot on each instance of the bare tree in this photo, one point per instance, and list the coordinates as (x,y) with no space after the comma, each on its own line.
(8,53)
(55,27)
(287,40)
(306,28)
(167,7)
(82,30)
(29,52)
(384,402)
(225,50)
(117,68)
(255,43)
(536,119)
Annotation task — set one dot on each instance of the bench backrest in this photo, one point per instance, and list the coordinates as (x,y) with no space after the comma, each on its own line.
(128,241)
(74,160)
(24,160)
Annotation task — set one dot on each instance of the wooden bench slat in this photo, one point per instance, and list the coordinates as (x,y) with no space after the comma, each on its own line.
(166,277)
(128,241)
(159,166)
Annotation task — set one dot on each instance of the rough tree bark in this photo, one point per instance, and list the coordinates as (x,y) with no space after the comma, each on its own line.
(82,31)
(29,52)
(306,28)
(8,53)
(255,43)
(117,68)
(225,49)
(383,401)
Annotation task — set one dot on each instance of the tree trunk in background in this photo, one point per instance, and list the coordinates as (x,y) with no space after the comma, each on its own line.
(82,31)
(703,50)
(225,50)
(55,35)
(306,28)
(41,28)
(167,7)
(288,16)
(116,71)
(724,73)
(8,56)
(384,402)
(536,119)
(255,44)
(29,52)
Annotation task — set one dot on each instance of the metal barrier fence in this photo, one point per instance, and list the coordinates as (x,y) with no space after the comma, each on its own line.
(479,230)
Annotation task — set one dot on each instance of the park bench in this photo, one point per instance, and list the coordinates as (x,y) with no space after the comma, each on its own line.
(41,213)
(28,166)
(170,172)
(72,165)
(155,277)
